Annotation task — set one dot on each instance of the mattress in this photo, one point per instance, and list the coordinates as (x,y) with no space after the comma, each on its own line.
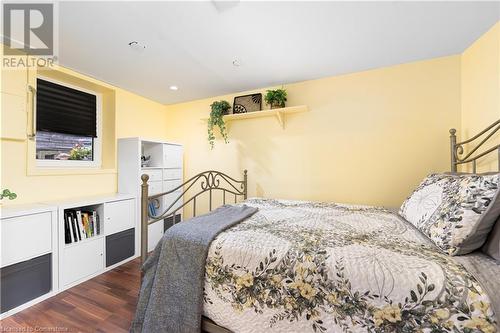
(299,266)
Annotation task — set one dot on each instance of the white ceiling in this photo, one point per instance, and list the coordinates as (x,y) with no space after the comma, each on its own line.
(192,44)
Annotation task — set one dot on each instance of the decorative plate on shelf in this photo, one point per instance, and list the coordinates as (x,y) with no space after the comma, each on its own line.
(247,103)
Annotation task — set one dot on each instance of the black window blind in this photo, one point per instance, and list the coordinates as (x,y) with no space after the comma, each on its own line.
(65,110)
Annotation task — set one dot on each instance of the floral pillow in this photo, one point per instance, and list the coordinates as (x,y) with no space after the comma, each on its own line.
(455,211)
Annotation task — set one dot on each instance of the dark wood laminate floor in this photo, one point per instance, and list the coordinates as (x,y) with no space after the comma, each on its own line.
(105,303)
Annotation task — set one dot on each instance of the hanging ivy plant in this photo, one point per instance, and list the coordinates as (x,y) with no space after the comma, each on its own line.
(219,109)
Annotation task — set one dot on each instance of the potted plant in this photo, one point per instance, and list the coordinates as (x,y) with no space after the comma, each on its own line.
(79,152)
(6,193)
(219,109)
(276,98)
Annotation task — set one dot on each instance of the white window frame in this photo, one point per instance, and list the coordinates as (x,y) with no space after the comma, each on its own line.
(97,142)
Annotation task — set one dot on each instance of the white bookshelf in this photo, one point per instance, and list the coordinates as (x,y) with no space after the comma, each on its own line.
(165,170)
(83,259)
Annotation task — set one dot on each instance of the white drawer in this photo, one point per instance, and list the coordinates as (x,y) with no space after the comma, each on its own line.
(154,174)
(26,237)
(169,185)
(172,174)
(119,216)
(172,156)
(155,188)
(82,260)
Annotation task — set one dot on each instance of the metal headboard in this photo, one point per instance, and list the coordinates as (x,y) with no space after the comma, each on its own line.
(457,148)
(208,181)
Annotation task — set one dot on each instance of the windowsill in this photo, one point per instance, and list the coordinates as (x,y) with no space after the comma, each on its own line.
(33,169)
(49,171)
(67,164)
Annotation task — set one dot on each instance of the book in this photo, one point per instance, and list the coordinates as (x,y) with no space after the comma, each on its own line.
(85,218)
(86,224)
(91,222)
(78,226)
(70,228)
(91,227)
(80,222)
(152,209)
(96,223)
(67,236)
(73,224)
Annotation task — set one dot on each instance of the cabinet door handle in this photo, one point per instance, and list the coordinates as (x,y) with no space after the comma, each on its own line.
(32,90)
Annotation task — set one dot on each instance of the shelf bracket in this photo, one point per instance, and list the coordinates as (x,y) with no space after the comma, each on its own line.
(281,119)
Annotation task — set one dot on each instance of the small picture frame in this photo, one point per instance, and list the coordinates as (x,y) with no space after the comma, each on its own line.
(247,103)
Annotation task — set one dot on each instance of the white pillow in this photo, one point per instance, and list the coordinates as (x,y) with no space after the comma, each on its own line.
(455,211)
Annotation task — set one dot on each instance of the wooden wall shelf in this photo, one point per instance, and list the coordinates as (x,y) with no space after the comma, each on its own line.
(280,114)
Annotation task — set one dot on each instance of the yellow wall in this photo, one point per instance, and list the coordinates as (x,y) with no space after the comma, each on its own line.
(369,137)
(480,67)
(124,113)
(138,116)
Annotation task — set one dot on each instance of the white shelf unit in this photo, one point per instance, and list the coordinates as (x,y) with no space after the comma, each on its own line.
(36,262)
(165,172)
(86,258)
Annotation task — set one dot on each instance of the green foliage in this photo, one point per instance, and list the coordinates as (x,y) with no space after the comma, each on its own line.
(219,109)
(276,98)
(7,194)
(79,152)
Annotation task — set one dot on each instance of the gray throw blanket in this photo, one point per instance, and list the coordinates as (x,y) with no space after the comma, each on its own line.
(171,296)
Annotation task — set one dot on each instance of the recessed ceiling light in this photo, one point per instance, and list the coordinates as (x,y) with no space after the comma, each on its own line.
(135,45)
(173,88)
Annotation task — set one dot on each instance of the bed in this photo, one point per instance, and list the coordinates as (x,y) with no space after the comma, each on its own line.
(300,266)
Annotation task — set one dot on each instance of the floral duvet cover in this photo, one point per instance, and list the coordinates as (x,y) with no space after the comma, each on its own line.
(323,267)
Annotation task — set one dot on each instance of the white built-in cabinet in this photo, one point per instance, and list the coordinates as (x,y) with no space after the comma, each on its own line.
(84,259)
(37,263)
(165,171)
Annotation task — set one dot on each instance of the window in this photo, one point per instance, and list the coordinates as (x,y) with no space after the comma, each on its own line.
(68,125)
(59,146)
